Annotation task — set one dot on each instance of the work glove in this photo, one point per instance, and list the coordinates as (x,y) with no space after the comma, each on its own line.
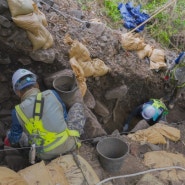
(6,141)
(125,128)
(23,141)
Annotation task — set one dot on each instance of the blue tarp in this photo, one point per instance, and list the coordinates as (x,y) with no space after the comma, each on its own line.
(132,16)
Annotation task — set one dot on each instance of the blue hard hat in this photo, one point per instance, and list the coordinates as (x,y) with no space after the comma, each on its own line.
(18,80)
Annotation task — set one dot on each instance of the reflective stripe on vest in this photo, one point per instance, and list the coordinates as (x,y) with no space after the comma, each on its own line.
(41,136)
(158,104)
(172,73)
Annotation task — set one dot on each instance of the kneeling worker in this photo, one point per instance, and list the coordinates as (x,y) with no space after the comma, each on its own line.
(42,117)
(152,111)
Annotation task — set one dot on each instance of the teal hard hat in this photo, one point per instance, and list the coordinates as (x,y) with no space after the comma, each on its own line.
(148,112)
(18,80)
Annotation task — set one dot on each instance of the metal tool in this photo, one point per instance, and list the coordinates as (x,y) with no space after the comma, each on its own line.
(32,154)
(77,161)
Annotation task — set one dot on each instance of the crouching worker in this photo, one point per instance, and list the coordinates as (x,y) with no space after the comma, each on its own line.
(43,118)
(152,112)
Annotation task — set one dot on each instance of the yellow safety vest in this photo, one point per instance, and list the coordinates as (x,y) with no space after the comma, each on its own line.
(173,71)
(158,104)
(40,136)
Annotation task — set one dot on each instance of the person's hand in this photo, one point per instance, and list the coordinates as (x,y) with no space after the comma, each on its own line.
(6,141)
(125,128)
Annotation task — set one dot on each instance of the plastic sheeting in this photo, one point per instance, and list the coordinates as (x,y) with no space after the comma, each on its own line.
(132,16)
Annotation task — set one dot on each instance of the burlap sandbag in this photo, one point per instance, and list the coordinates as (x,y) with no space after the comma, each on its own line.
(78,50)
(36,174)
(49,42)
(100,68)
(9,177)
(29,22)
(131,42)
(156,134)
(157,59)
(145,52)
(95,67)
(73,173)
(79,73)
(20,7)
(157,55)
(57,174)
(148,135)
(40,39)
(87,68)
(158,65)
(160,159)
(41,15)
(169,132)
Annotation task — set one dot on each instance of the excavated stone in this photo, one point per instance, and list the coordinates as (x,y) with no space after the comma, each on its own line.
(5,60)
(149,179)
(92,126)
(89,100)
(4,93)
(76,13)
(5,32)
(4,22)
(101,109)
(3,78)
(3,6)
(46,56)
(96,28)
(25,61)
(117,93)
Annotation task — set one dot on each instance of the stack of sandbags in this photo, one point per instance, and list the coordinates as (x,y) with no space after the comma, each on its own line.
(133,42)
(27,16)
(82,64)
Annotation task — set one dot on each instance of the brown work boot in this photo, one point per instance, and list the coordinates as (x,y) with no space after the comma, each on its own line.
(140,126)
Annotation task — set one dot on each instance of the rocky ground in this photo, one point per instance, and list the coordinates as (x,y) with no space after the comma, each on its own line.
(129,83)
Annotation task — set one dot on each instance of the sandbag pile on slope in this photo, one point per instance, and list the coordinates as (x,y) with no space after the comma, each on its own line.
(27,16)
(134,42)
(82,64)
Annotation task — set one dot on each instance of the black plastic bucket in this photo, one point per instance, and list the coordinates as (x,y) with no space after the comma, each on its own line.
(68,89)
(111,152)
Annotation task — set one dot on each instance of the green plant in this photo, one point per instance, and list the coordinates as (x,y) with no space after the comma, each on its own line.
(167,23)
(111,9)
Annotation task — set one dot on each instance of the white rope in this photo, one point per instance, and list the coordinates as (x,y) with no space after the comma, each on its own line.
(140,173)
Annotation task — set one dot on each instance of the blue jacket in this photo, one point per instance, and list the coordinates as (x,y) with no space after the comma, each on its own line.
(16,129)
